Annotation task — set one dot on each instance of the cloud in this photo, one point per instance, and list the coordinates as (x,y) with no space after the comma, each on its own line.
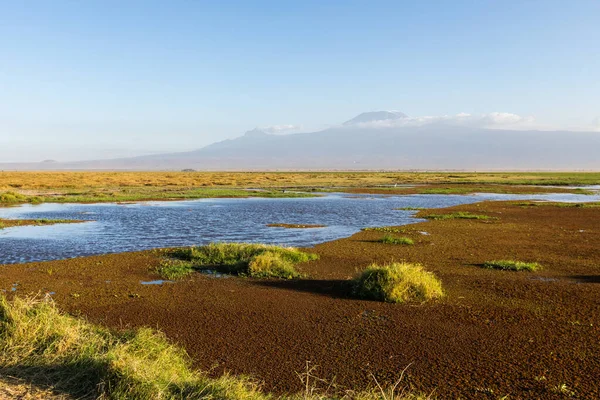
(596,124)
(494,120)
(280,129)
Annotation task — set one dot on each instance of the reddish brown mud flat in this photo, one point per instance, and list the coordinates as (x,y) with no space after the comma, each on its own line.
(496,333)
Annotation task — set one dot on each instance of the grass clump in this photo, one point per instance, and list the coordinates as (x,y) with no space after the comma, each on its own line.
(12,197)
(398,283)
(173,269)
(458,215)
(247,259)
(41,346)
(39,343)
(511,265)
(387,229)
(271,265)
(389,239)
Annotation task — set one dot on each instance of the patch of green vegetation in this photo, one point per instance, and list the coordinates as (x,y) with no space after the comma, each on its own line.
(387,229)
(410,208)
(398,283)
(38,222)
(556,204)
(173,269)
(389,239)
(39,343)
(272,265)
(457,215)
(246,259)
(83,360)
(17,198)
(129,194)
(511,265)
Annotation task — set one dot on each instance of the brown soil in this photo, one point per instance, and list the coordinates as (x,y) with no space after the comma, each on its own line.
(529,335)
(295,226)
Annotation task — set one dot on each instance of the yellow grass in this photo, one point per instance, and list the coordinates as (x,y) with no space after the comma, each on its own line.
(56,180)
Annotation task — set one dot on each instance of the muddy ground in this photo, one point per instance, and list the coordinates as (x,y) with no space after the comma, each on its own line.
(496,333)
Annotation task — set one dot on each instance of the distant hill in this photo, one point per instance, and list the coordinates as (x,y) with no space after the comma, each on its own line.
(358,145)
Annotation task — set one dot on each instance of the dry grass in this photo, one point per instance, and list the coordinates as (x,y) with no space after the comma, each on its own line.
(52,355)
(37,187)
(77,180)
(14,388)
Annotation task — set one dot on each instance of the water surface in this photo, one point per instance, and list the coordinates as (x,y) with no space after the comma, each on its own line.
(115,228)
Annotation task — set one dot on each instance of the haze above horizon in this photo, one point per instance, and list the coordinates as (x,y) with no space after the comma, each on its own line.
(103,79)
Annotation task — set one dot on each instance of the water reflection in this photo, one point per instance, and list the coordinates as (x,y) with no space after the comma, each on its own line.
(116,228)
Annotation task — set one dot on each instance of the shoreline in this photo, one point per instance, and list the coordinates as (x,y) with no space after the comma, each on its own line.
(490,316)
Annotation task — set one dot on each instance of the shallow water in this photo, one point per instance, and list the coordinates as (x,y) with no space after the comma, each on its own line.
(115,228)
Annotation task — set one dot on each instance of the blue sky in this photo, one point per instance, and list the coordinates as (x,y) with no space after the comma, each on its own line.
(98,79)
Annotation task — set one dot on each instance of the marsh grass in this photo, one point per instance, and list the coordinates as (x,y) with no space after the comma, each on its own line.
(173,269)
(512,265)
(246,259)
(389,239)
(130,194)
(35,187)
(46,348)
(398,282)
(9,197)
(409,208)
(41,344)
(7,223)
(458,215)
(386,229)
(556,204)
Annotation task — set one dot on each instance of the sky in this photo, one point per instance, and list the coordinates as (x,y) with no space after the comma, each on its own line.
(100,79)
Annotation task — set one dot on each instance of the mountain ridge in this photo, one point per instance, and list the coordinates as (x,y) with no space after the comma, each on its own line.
(362,145)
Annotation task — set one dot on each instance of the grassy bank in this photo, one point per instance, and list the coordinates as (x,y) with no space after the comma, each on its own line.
(78,180)
(46,348)
(128,194)
(88,187)
(7,223)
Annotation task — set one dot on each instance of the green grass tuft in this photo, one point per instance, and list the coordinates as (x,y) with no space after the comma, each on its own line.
(40,343)
(174,269)
(389,239)
(457,215)
(255,260)
(511,265)
(387,229)
(42,346)
(272,265)
(398,283)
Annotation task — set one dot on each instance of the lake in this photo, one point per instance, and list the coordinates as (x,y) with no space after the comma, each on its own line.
(115,228)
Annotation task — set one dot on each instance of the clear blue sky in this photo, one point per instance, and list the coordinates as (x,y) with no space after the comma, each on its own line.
(84,79)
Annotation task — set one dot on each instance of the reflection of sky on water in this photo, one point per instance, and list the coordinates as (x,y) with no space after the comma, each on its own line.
(128,227)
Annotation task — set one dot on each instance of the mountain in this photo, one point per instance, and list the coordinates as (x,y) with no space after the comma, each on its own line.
(375,116)
(360,145)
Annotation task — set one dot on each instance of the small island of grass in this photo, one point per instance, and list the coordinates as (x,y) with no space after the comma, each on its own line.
(244,259)
(296,226)
(9,223)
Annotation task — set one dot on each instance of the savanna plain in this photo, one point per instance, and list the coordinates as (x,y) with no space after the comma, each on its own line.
(487,300)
